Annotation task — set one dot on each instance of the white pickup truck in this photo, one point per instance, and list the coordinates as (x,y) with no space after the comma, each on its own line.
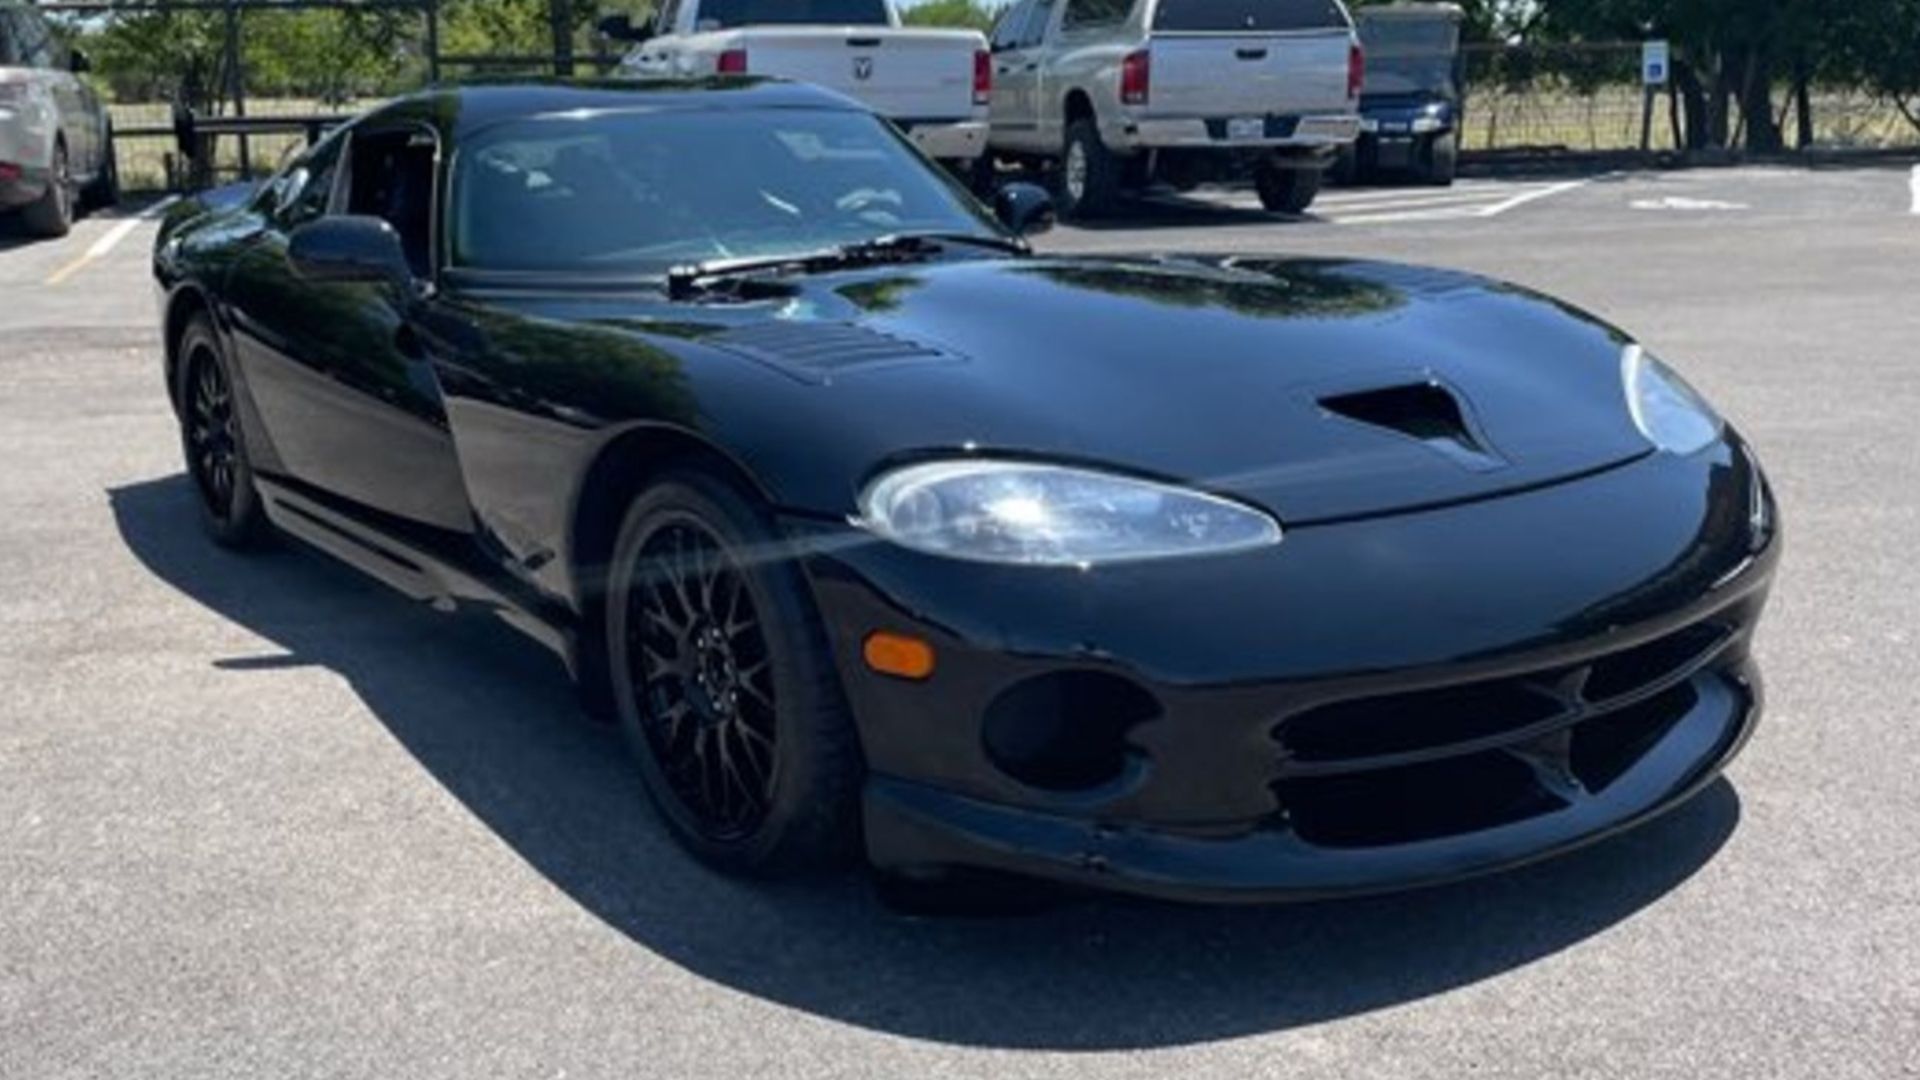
(933,84)
(1118,94)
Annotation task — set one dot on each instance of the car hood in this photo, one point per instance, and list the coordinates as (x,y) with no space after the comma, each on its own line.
(1320,389)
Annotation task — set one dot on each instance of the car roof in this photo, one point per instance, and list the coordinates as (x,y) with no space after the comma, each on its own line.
(463,109)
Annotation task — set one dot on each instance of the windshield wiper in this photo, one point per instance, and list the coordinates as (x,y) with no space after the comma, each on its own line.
(689,280)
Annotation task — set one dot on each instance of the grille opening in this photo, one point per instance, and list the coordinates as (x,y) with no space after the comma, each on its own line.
(1605,747)
(1627,671)
(1422,410)
(1411,803)
(1065,731)
(1424,719)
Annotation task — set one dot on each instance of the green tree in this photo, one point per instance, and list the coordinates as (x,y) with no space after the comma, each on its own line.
(970,14)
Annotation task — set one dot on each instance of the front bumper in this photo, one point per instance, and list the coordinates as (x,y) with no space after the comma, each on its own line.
(948,140)
(1373,704)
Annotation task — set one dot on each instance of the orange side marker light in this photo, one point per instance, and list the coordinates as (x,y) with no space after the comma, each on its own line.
(898,655)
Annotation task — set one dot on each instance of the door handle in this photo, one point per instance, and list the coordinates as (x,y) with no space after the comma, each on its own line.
(1251,54)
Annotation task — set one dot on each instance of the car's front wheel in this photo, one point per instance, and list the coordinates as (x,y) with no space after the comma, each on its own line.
(104,191)
(52,214)
(724,684)
(214,444)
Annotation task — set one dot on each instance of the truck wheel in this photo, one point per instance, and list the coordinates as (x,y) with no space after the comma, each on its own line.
(1286,191)
(1089,174)
(1441,160)
(52,215)
(980,175)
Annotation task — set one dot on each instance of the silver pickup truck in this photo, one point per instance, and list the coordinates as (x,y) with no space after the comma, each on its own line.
(1116,95)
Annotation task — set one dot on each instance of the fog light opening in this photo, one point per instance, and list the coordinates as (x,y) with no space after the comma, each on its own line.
(1065,731)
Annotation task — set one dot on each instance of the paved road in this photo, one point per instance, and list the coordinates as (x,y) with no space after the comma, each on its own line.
(260,819)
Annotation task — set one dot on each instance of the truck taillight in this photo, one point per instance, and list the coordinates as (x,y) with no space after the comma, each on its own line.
(1356,70)
(1136,78)
(982,77)
(732,62)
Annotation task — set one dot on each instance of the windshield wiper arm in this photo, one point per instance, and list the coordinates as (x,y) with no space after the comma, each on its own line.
(683,281)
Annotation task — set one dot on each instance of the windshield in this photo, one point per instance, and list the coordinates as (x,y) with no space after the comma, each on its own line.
(725,14)
(1409,37)
(1222,16)
(643,192)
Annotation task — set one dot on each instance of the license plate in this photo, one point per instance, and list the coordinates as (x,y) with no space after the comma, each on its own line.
(1329,127)
(1395,127)
(1247,127)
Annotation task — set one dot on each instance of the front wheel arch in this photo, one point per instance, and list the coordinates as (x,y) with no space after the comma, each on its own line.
(185,303)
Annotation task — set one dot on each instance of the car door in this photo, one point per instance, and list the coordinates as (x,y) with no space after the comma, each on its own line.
(1017,60)
(339,372)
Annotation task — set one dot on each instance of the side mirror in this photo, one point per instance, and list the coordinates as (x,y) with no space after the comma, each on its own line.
(621,28)
(78,63)
(1025,209)
(347,250)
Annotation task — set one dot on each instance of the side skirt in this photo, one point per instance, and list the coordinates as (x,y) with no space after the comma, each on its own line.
(413,569)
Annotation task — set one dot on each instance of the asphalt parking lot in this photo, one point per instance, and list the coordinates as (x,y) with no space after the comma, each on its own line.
(261,818)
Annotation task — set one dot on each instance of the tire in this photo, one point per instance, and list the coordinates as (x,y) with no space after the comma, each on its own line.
(104,191)
(214,444)
(725,687)
(1346,167)
(981,176)
(1286,191)
(51,216)
(1441,160)
(1089,174)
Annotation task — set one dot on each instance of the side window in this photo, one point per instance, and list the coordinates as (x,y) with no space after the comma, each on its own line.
(392,179)
(309,186)
(9,35)
(1082,14)
(1007,30)
(667,17)
(1036,29)
(33,43)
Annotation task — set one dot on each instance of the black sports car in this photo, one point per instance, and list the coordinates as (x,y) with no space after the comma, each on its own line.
(1219,578)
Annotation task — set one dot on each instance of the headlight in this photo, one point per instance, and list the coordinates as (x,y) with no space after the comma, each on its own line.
(1671,414)
(1049,515)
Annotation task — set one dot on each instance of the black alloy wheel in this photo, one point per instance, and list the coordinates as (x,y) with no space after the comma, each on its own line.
(702,673)
(213,443)
(724,685)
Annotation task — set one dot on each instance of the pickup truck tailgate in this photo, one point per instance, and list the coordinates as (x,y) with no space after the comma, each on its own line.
(1252,74)
(902,74)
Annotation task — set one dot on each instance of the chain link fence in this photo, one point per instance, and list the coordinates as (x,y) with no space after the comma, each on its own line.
(1588,98)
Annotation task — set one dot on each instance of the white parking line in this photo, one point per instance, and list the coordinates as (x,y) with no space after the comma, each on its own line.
(104,246)
(1452,205)
(1523,199)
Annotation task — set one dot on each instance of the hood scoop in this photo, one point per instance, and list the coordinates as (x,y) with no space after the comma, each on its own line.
(1426,412)
(815,352)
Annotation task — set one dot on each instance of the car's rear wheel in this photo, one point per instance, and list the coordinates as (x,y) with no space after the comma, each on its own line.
(214,444)
(1286,191)
(52,214)
(724,684)
(1089,174)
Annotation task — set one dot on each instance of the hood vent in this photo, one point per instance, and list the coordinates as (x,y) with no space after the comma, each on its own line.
(1425,411)
(817,351)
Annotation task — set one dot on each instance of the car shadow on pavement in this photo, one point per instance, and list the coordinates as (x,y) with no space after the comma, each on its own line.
(492,719)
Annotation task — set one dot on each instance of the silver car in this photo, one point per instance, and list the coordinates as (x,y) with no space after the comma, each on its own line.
(56,143)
